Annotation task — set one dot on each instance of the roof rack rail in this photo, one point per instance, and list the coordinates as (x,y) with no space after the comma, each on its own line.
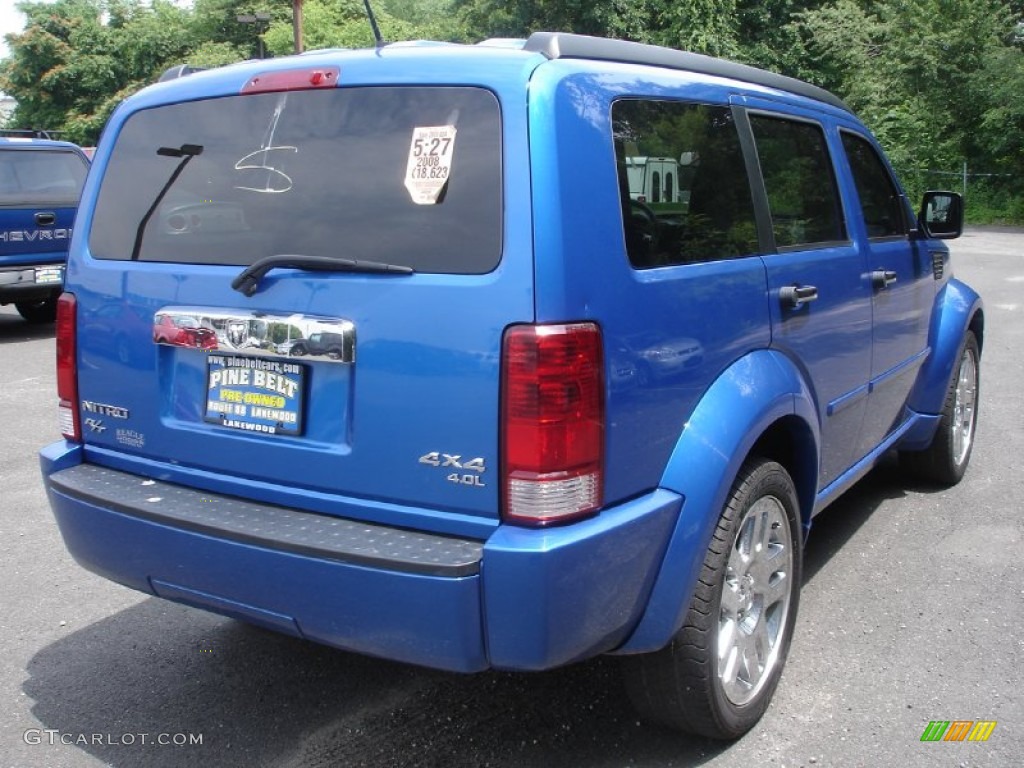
(28,133)
(558,45)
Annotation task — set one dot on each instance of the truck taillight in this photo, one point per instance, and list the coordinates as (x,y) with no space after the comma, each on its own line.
(552,423)
(67,369)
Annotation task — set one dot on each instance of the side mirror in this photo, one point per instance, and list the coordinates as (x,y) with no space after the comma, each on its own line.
(942,215)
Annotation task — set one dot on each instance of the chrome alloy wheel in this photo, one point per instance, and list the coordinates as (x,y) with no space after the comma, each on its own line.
(756,596)
(964,404)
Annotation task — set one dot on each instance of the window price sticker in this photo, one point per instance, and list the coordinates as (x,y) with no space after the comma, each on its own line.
(430,162)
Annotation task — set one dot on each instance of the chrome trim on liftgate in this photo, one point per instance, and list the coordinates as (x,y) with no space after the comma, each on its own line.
(252,333)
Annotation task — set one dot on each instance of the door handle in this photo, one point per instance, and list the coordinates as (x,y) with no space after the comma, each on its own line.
(795,296)
(45,218)
(883,278)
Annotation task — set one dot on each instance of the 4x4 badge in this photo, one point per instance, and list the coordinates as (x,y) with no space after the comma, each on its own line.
(454,461)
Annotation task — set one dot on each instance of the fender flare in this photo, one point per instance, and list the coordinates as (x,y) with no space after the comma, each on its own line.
(958,308)
(756,392)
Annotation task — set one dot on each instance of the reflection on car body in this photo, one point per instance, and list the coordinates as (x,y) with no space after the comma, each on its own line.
(661,358)
(182,331)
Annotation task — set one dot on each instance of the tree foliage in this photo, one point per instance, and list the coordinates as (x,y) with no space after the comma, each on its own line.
(78,58)
(339,24)
(708,26)
(940,81)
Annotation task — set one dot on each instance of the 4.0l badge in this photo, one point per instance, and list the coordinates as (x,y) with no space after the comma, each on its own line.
(454,461)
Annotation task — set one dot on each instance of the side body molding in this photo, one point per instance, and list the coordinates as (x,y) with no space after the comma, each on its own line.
(957,308)
(754,393)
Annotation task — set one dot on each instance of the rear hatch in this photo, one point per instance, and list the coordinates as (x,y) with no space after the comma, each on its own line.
(39,190)
(370,390)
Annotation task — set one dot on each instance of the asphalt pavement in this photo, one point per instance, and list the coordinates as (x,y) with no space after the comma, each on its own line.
(908,615)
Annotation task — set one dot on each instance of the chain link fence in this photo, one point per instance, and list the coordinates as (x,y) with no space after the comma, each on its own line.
(990,198)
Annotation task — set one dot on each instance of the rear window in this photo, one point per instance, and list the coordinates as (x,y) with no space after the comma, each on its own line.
(403,175)
(40,176)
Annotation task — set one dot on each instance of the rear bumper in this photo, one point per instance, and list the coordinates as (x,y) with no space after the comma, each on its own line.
(523,599)
(31,282)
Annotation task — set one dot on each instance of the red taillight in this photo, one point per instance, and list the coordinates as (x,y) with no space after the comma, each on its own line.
(67,368)
(552,422)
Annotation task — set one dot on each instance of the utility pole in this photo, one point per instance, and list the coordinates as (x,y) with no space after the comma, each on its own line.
(297,24)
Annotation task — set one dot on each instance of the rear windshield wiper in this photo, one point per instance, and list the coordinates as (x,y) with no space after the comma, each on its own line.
(248,281)
(186,152)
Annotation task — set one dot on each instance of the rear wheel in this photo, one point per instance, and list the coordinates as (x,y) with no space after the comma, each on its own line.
(717,675)
(945,461)
(43,311)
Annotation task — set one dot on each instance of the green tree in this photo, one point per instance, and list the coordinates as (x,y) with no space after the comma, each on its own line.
(517,18)
(939,81)
(766,36)
(215,23)
(1001,80)
(707,26)
(1000,138)
(44,75)
(344,24)
(70,66)
(77,59)
(422,13)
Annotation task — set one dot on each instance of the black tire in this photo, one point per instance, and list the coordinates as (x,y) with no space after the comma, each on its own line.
(685,685)
(945,461)
(42,311)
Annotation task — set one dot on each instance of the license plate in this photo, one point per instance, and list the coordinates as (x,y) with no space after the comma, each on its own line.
(49,274)
(255,395)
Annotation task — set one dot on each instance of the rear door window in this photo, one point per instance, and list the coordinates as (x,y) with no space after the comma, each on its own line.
(403,175)
(29,176)
(683,183)
(799,181)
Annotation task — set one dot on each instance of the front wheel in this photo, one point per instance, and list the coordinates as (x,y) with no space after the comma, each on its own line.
(43,311)
(717,675)
(945,461)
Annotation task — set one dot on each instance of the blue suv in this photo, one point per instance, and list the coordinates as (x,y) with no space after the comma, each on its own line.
(610,325)
(40,181)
